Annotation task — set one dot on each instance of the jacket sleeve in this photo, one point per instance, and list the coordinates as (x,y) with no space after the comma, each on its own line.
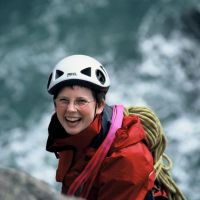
(127,174)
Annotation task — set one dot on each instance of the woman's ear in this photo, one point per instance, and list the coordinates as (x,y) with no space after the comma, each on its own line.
(100,107)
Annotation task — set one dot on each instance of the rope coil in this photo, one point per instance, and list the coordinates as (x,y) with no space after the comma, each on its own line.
(156,142)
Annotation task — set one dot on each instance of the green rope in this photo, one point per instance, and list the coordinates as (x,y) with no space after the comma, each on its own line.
(156,142)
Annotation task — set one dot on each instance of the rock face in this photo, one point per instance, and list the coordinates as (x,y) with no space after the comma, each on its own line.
(19,185)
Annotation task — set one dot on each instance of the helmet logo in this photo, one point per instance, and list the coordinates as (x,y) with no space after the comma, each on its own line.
(71,74)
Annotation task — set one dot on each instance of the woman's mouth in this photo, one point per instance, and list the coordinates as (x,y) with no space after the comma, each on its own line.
(72,119)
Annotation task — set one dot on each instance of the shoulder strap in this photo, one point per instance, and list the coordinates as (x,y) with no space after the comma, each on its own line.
(83,183)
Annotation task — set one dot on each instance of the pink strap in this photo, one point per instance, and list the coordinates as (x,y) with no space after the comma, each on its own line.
(85,180)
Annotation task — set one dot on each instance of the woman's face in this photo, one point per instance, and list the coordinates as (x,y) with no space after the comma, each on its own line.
(75,108)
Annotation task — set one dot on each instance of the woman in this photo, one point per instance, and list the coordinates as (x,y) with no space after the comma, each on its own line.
(78,129)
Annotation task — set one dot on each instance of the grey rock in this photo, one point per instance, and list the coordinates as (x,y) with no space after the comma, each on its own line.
(18,185)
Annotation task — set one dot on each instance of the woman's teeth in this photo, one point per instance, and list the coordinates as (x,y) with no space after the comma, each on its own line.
(72,119)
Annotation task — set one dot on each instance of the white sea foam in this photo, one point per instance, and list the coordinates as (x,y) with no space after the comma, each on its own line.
(163,60)
(27,151)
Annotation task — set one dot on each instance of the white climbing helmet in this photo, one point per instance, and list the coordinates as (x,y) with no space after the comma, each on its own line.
(81,70)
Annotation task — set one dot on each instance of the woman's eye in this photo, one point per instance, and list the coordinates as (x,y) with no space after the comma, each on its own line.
(81,102)
(63,100)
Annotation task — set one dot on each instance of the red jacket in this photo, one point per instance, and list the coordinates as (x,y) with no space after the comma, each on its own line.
(126,172)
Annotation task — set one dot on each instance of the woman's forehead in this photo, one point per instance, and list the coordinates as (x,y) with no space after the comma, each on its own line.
(75,89)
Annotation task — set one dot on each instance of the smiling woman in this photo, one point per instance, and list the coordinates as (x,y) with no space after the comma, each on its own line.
(76,108)
(103,153)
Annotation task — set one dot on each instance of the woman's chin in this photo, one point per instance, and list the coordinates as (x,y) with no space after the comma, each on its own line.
(73,130)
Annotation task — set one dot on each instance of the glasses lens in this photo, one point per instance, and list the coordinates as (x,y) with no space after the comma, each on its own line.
(81,103)
(78,103)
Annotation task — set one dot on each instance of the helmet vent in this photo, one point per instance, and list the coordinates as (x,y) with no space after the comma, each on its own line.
(103,69)
(100,76)
(86,71)
(59,73)
(49,81)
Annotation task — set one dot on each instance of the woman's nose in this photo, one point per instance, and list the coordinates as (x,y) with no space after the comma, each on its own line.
(71,106)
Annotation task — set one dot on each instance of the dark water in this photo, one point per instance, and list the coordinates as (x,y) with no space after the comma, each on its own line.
(151,48)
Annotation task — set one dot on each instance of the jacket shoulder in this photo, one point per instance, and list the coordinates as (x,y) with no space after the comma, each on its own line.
(130,133)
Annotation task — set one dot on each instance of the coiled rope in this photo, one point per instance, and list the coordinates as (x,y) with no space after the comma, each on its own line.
(156,142)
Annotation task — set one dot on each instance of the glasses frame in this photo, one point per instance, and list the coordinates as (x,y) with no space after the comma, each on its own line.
(79,104)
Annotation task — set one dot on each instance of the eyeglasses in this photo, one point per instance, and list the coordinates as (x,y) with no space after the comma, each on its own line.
(78,103)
